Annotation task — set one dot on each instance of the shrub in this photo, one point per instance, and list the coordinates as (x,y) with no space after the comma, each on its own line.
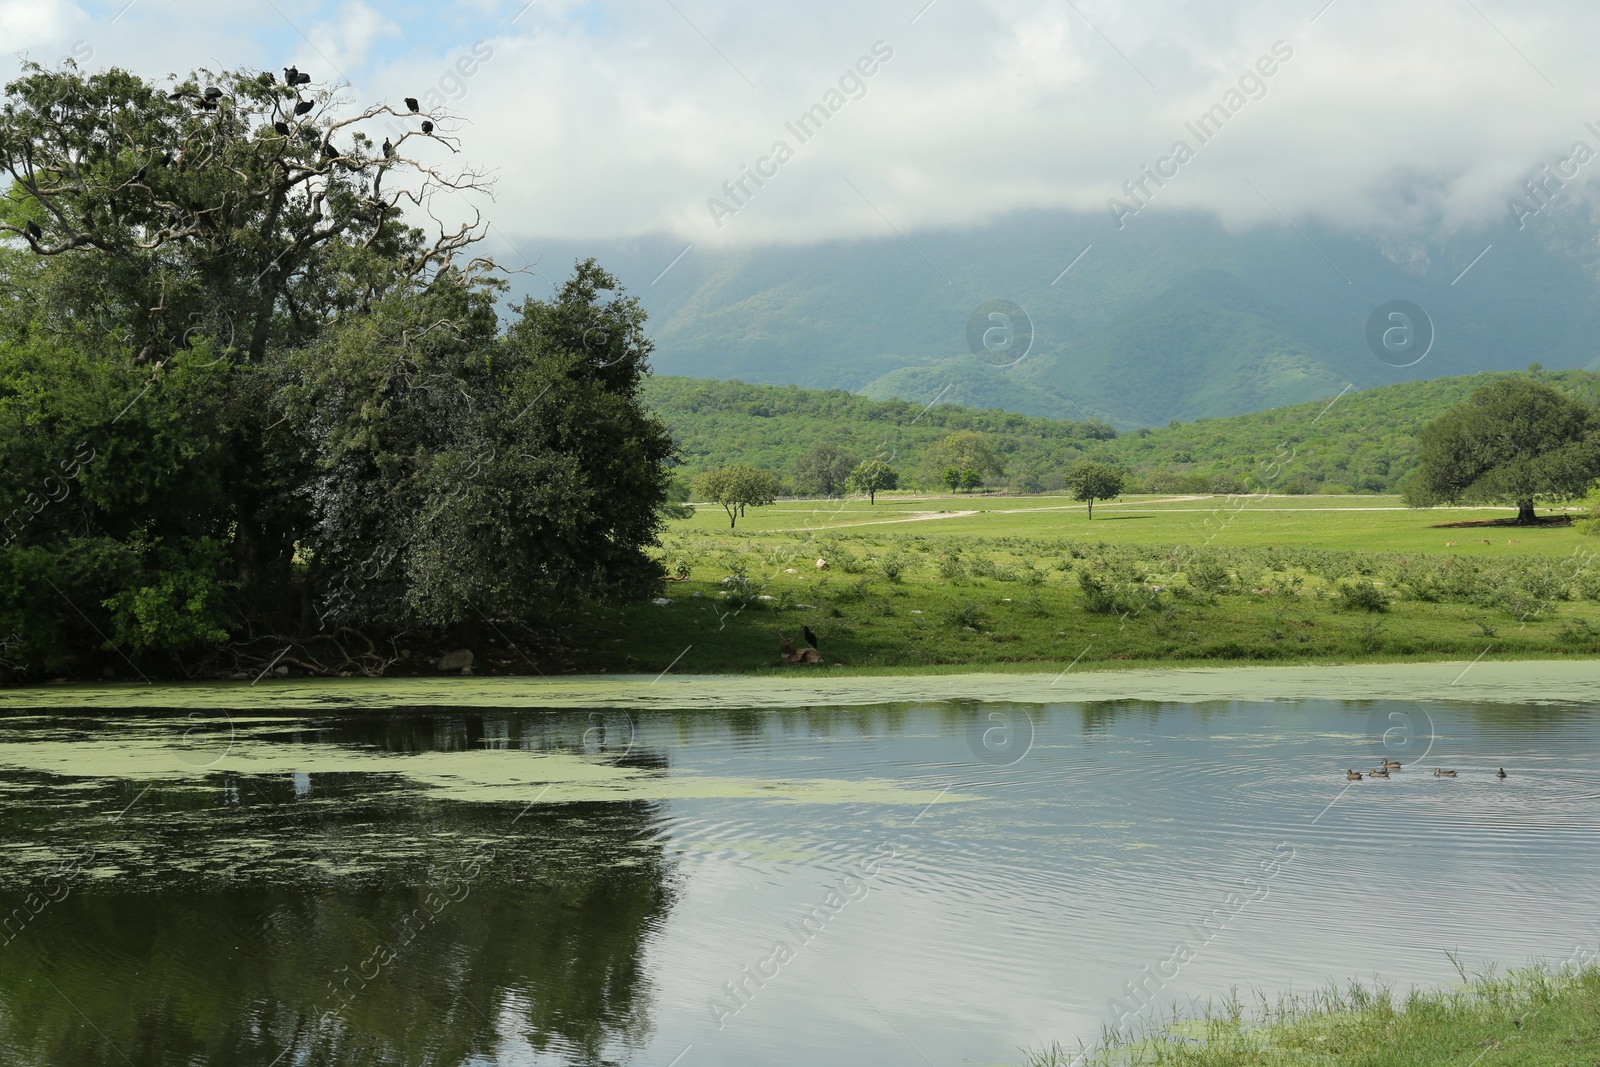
(1208,576)
(892,567)
(1362,596)
(966,614)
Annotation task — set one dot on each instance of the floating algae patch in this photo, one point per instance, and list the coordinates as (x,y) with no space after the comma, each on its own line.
(484,776)
(1509,682)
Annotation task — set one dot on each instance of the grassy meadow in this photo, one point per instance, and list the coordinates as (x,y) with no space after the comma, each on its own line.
(1531,1018)
(956,582)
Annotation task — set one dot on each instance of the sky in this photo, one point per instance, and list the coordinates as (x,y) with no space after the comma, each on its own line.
(610,120)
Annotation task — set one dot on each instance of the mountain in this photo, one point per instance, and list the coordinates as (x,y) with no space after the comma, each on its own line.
(1174,317)
(1351,440)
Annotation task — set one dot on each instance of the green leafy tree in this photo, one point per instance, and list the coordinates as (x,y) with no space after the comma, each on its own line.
(1513,441)
(971,479)
(950,478)
(239,390)
(460,473)
(737,487)
(963,450)
(1091,481)
(872,477)
(823,470)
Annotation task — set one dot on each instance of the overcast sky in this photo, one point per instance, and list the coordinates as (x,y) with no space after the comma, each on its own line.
(626,117)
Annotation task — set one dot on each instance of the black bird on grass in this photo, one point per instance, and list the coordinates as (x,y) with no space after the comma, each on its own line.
(427,127)
(811,638)
(411,102)
(303,106)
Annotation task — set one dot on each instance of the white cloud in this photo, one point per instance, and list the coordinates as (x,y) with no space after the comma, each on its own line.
(26,24)
(623,117)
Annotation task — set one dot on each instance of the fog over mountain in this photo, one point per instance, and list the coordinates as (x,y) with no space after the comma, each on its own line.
(825,195)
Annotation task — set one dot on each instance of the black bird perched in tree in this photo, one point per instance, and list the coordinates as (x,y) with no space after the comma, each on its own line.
(411,102)
(33,230)
(304,106)
(266,78)
(281,128)
(427,127)
(291,76)
(138,175)
(213,93)
(329,151)
(388,149)
(166,159)
(811,638)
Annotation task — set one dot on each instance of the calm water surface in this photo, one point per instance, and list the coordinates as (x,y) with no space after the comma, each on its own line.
(937,884)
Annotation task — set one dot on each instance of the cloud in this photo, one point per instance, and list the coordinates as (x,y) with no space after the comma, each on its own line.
(26,24)
(347,41)
(626,117)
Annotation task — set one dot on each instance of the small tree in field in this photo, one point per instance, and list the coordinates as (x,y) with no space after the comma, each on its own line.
(1512,442)
(1091,481)
(971,479)
(737,487)
(872,477)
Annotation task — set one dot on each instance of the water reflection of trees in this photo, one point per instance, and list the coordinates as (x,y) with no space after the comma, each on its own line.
(544,947)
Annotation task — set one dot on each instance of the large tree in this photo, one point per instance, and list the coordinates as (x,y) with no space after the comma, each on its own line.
(964,450)
(1514,441)
(873,476)
(240,391)
(738,486)
(823,469)
(1091,481)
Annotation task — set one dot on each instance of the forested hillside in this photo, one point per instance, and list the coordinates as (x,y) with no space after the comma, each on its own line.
(1178,317)
(1363,440)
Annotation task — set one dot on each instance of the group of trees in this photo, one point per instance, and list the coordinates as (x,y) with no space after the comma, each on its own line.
(241,393)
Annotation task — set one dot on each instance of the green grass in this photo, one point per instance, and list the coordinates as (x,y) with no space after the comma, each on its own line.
(1361,523)
(1531,1018)
(1032,583)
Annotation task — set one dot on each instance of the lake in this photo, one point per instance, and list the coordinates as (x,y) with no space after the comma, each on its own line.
(909,882)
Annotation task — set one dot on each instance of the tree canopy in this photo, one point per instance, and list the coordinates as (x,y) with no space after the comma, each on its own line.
(872,477)
(822,470)
(1514,441)
(244,402)
(1091,481)
(738,486)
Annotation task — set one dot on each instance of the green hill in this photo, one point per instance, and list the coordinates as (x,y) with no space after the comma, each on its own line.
(1177,316)
(1361,440)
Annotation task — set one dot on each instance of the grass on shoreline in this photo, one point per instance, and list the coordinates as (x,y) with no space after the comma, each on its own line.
(1528,1018)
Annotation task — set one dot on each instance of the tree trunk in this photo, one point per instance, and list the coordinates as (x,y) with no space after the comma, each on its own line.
(1525,515)
(872,497)
(1091,509)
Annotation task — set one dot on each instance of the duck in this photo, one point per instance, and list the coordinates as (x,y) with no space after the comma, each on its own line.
(1501,773)
(1353,776)
(1389,764)
(1441,773)
(1379,772)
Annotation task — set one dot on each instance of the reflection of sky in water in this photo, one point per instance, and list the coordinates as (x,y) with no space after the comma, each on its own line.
(1006,913)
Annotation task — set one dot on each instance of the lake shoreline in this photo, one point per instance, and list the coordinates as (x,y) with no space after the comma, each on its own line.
(1507,681)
